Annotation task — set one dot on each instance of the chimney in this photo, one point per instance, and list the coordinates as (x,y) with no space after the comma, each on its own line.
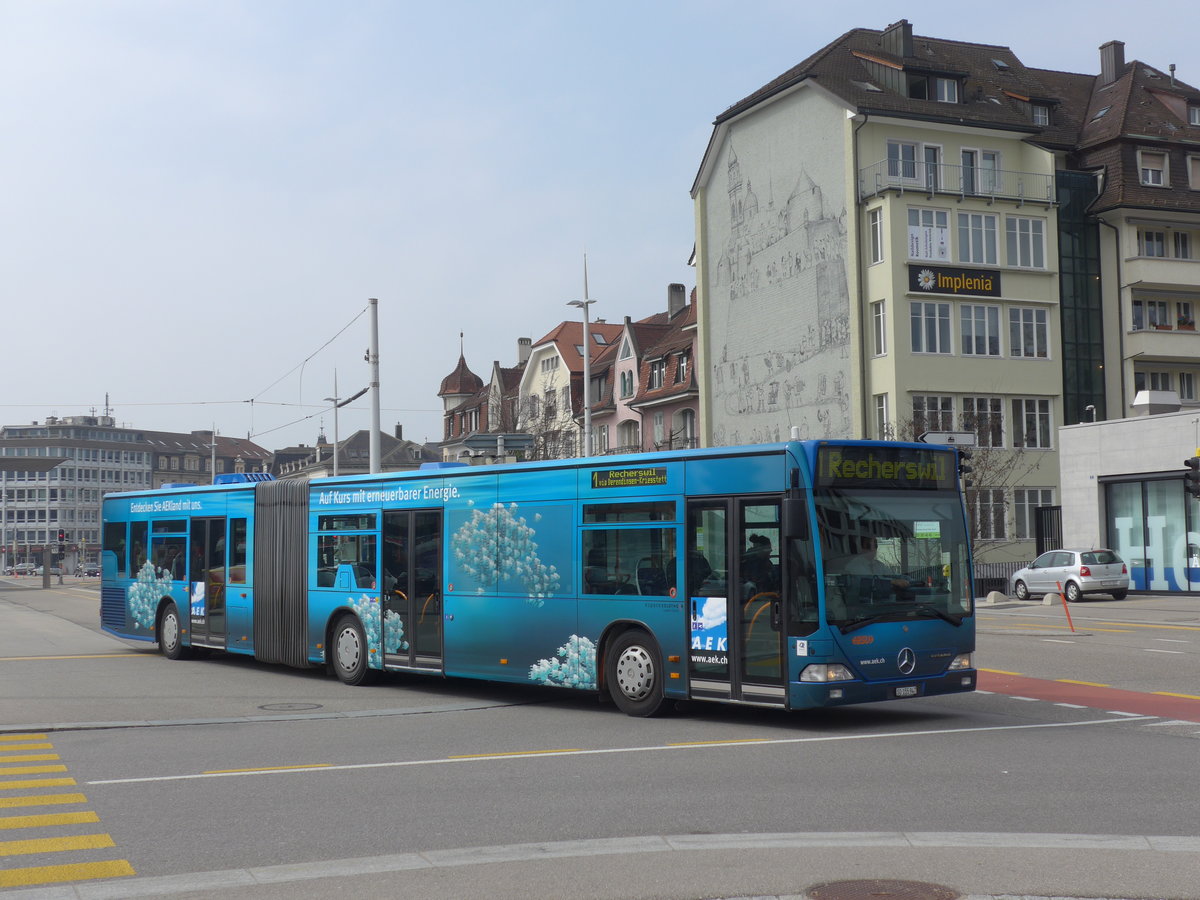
(897,39)
(523,347)
(1112,61)
(399,432)
(676,299)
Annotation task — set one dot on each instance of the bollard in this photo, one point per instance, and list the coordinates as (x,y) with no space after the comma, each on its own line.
(1064,603)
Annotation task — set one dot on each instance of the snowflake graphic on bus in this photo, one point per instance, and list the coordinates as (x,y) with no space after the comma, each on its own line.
(498,544)
(368,611)
(143,595)
(573,667)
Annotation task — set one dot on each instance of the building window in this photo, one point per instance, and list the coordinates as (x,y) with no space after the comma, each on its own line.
(980,171)
(875,226)
(1152,381)
(1026,242)
(1028,333)
(980,330)
(1031,423)
(985,417)
(932,413)
(883,426)
(1187,386)
(1184,317)
(879,327)
(1194,115)
(1183,244)
(626,385)
(657,371)
(928,234)
(902,160)
(681,367)
(1153,167)
(1041,114)
(930,327)
(1152,243)
(599,439)
(1025,504)
(977,238)
(1150,314)
(987,514)
(945,90)
(659,428)
(1194,172)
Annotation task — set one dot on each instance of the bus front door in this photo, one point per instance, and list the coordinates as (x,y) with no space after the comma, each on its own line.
(206,582)
(734,584)
(412,589)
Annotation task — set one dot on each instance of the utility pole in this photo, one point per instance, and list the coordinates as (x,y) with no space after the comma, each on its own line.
(373,359)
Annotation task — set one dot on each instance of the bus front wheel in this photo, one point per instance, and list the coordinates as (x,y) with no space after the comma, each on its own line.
(350,651)
(170,633)
(633,673)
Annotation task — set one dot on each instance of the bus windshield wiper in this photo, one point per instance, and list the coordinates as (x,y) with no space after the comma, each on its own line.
(904,611)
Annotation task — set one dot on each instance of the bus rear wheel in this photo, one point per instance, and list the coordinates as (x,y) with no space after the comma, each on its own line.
(170,633)
(349,651)
(633,673)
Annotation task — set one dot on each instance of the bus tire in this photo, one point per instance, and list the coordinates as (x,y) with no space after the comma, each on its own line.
(170,633)
(634,675)
(349,652)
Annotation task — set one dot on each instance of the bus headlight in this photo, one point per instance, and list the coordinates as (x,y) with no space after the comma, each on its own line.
(962,661)
(826,672)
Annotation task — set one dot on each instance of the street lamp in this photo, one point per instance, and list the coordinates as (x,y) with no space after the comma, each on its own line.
(587,367)
(336,401)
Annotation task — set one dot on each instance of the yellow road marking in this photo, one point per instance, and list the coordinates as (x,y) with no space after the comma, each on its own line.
(21,737)
(41,800)
(514,753)
(43,819)
(35,783)
(268,769)
(999,672)
(28,757)
(73,872)
(1067,627)
(31,770)
(8,747)
(56,845)
(1169,694)
(1087,683)
(1141,625)
(130,655)
(716,743)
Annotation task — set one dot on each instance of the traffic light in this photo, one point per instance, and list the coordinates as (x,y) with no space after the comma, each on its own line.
(963,469)
(1191,478)
(62,536)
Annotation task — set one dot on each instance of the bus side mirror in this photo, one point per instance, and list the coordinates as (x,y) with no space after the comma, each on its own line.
(795,517)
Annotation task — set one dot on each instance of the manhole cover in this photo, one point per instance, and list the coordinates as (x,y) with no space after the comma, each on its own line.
(289,707)
(881,889)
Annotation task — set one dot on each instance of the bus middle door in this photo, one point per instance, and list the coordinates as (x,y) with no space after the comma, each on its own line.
(734,584)
(412,588)
(206,581)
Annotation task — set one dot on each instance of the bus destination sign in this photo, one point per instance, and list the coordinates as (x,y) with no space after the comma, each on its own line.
(622,478)
(898,468)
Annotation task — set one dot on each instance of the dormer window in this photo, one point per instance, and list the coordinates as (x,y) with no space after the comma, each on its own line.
(1193,115)
(945,90)
(1041,114)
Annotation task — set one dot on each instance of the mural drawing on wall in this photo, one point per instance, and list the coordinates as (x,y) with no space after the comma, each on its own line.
(780,314)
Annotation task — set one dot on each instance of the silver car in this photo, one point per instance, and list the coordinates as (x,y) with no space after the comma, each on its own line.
(1074,573)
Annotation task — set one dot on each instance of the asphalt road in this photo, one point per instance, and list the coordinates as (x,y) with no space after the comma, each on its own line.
(226,778)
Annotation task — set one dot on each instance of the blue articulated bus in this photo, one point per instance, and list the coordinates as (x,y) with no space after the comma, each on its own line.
(791,575)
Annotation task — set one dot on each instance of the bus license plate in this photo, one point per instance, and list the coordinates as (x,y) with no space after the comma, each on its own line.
(907,690)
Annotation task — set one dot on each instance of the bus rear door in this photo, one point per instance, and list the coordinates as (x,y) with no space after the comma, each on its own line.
(412,588)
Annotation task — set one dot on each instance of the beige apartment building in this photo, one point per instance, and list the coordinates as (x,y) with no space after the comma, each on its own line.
(906,236)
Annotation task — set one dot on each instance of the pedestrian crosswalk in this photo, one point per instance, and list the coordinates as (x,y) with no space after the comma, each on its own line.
(45,841)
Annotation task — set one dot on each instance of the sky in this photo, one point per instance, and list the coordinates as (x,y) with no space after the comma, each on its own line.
(199,197)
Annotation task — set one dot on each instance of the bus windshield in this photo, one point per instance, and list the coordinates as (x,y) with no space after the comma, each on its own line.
(893,555)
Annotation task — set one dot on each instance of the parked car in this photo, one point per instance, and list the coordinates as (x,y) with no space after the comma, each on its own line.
(54,570)
(1079,572)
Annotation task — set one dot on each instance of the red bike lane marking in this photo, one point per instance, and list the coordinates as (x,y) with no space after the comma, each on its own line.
(1183,708)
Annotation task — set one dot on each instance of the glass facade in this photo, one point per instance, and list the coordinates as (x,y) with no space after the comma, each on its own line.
(1081,309)
(1155,527)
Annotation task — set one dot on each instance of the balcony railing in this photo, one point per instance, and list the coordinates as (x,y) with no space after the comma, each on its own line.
(958,181)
